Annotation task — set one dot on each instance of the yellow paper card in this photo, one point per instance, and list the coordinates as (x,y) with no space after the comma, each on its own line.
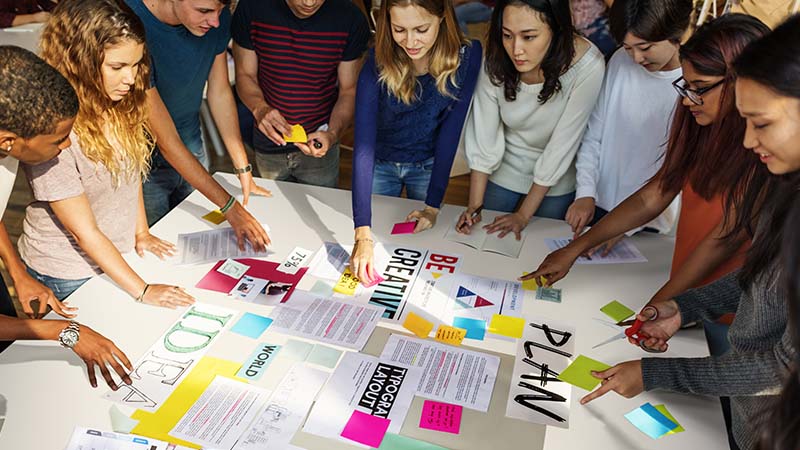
(507,326)
(215,217)
(157,425)
(418,325)
(347,283)
(529,285)
(298,134)
(450,335)
(663,410)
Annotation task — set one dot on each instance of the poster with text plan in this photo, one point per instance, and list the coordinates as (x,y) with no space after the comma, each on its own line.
(623,252)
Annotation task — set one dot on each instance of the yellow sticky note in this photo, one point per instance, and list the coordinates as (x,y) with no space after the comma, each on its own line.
(298,134)
(347,283)
(450,335)
(418,325)
(215,217)
(529,285)
(157,425)
(507,326)
(663,410)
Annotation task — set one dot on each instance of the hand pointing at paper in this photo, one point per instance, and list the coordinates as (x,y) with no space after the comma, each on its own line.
(625,379)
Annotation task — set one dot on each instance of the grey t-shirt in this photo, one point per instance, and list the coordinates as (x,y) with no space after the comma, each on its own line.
(45,245)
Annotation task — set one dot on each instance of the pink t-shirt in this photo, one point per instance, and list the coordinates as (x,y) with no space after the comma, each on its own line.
(45,245)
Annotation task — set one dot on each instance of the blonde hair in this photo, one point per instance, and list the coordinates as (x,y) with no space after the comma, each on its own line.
(395,68)
(74,42)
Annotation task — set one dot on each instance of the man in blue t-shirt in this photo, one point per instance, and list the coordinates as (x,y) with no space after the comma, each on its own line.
(297,62)
(187,41)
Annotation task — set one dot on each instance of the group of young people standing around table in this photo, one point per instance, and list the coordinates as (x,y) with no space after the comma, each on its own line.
(110,141)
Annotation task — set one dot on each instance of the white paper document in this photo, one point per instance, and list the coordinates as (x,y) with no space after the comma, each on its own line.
(330,261)
(450,374)
(285,411)
(327,320)
(213,245)
(172,356)
(364,383)
(543,352)
(479,239)
(623,252)
(90,439)
(295,260)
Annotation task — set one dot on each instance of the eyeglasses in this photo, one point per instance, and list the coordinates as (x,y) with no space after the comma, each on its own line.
(694,95)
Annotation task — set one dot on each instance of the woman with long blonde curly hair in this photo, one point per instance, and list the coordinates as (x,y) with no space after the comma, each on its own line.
(412,97)
(88,204)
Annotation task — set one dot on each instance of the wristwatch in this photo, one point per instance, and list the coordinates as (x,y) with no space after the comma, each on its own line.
(245,169)
(69,336)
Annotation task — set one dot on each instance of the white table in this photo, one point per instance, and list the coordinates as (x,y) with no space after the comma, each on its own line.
(47,390)
(25,36)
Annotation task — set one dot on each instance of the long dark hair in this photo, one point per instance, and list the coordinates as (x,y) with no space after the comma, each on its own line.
(555,63)
(774,62)
(713,158)
(651,20)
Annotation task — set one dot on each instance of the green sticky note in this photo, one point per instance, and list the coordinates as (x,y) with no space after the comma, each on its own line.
(579,373)
(296,350)
(393,441)
(324,356)
(663,410)
(617,311)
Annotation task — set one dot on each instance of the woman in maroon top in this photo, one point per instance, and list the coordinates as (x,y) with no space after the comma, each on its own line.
(14,13)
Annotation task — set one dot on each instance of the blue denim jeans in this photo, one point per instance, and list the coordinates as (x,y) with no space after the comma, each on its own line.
(472,12)
(598,33)
(6,309)
(391,177)
(61,287)
(501,199)
(165,187)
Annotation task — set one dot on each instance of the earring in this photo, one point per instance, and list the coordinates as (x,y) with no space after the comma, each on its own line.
(7,150)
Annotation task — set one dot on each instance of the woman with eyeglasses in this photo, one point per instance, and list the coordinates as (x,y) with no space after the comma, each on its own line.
(704,159)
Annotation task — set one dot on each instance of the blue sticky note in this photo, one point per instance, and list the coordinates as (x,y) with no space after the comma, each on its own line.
(251,325)
(476,328)
(257,363)
(646,424)
(658,416)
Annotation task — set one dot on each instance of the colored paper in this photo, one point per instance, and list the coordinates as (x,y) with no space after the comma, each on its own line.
(393,441)
(507,326)
(529,285)
(663,410)
(325,356)
(216,217)
(157,425)
(646,424)
(298,134)
(617,311)
(279,289)
(548,294)
(418,325)
(658,417)
(322,288)
(255,365)
(120,422)
(450,335)
(233,269)
(347,283)
(440,416)
(376,280)
(476,328)
(251,325)
(366,429)
(579,372)
(404,228)
(297,350)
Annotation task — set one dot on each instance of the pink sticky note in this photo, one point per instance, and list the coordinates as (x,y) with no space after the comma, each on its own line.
(366,429)
(376,279)
(440,416)
(404,228)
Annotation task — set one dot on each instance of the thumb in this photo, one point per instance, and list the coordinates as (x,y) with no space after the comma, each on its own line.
(140,251)
(605,373)
(245,193)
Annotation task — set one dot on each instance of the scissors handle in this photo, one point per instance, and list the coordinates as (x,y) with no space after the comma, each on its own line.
(635,333)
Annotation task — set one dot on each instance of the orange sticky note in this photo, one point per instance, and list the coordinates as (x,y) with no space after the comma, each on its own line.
(216,217)
(347,283)
(418,325)
(507,326)
(450,335)
(298,134)
(529,285)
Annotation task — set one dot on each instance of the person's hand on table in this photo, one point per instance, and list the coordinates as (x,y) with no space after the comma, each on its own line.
(425,218)
(466,221)
(362,260)
(508,223)
(605,248)
(625,379)
(249,186)
(28,290)
(40,17)
(663,327)
(579,214)
(96,350)
(272,123)
(159,247)
(325,140)
(167,296)
(247,228)
(555,266)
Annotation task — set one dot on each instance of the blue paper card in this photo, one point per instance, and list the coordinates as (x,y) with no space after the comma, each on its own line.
(647,424)
(476,328)
(658,416)
(257,363)
(251,325)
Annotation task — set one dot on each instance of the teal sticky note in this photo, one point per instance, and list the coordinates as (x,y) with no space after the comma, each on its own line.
(393,441)
(322,288)
(658,416)
(297,350)
(251,325)
(646,424)
(259,360)
(476,328)
(323,355)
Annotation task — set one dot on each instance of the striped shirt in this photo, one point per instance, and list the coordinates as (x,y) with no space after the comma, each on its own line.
(298,58)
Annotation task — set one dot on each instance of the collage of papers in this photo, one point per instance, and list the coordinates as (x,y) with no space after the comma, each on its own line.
(305,370)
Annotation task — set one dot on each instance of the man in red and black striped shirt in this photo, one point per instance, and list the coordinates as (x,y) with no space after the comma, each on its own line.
(297,62)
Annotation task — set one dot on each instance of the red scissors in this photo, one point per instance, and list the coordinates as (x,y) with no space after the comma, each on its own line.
(634,331)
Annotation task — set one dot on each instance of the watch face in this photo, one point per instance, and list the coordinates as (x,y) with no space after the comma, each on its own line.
(70,338)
